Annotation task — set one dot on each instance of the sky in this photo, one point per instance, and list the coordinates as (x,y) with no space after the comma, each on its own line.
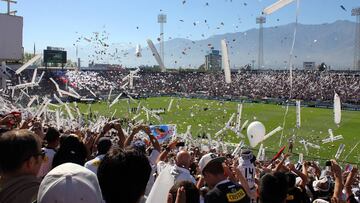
(61,22)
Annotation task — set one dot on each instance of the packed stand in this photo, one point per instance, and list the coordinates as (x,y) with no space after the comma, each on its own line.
(307,85)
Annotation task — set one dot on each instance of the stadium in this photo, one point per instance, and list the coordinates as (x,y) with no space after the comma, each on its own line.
(185,119)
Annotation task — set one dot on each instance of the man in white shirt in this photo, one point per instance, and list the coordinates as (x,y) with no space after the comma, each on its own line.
(103,147)
(52,138)
(169,175)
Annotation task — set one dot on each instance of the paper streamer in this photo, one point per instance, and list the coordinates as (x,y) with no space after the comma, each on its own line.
(58,100)
(156,54)
(109,96)
(225,61)
(263,154)
(34,76)
(73,92)
(276,6)
(170,104)
(244,125)
(337,109)
(31,101)
(77,110)
(135,117)
(298,118)
(115,100)
(41,77)
(306,144)
(42,108)
(238,117)
(279,128)
(260,151)
(68,111)
(27,64)
(57,114)
(138,51)
(332,138)
(339,151)
(188,132)
(301,158)
(148,112)
(352,150)
(138,108)
(90,91)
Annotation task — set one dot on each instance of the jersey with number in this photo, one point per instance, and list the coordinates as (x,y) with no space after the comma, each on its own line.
(248,171)
(227,192)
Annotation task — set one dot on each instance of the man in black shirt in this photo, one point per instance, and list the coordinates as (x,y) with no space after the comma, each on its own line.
(295,194)
(222,190)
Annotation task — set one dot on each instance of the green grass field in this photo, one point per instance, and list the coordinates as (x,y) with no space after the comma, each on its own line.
(315,122)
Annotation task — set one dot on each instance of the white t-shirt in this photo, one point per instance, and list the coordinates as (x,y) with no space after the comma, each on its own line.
(94,163)
(46,165)
(169,175)
(248,171)
(177,172)
(152,159)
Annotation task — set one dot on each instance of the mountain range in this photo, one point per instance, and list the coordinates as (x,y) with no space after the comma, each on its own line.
(331,43)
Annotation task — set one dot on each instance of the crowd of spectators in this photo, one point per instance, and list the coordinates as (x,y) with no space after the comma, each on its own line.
(40,163)
(306,85)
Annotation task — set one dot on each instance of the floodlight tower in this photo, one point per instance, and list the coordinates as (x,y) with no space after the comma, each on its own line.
(356,12)
(162,20)
(261,20)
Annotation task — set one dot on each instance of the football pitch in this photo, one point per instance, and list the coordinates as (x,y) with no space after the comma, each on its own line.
(209,116)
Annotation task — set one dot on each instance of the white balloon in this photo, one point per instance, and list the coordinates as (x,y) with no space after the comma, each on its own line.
(256,133)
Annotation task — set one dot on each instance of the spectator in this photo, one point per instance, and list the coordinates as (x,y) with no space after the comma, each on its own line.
(71,150)
(52,138)
(295,194)
(221,189)
(20,161)
(103,147)
(273,188)
(69,183)
(184,192)
(170,174)
(129,170)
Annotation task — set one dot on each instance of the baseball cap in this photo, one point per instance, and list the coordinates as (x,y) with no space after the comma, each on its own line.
(208,158)
(70,183)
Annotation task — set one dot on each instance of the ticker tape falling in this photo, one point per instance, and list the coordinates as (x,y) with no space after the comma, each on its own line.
(337,109)
(276,6)
(298,115)
(156,54)
(225,61)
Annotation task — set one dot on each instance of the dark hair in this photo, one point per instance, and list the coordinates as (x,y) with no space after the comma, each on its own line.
(52,135)
(192,193)
(273,188)
(16,147)
(214,167)
(103,145)
(71,150)
(291,179)
(130,168)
